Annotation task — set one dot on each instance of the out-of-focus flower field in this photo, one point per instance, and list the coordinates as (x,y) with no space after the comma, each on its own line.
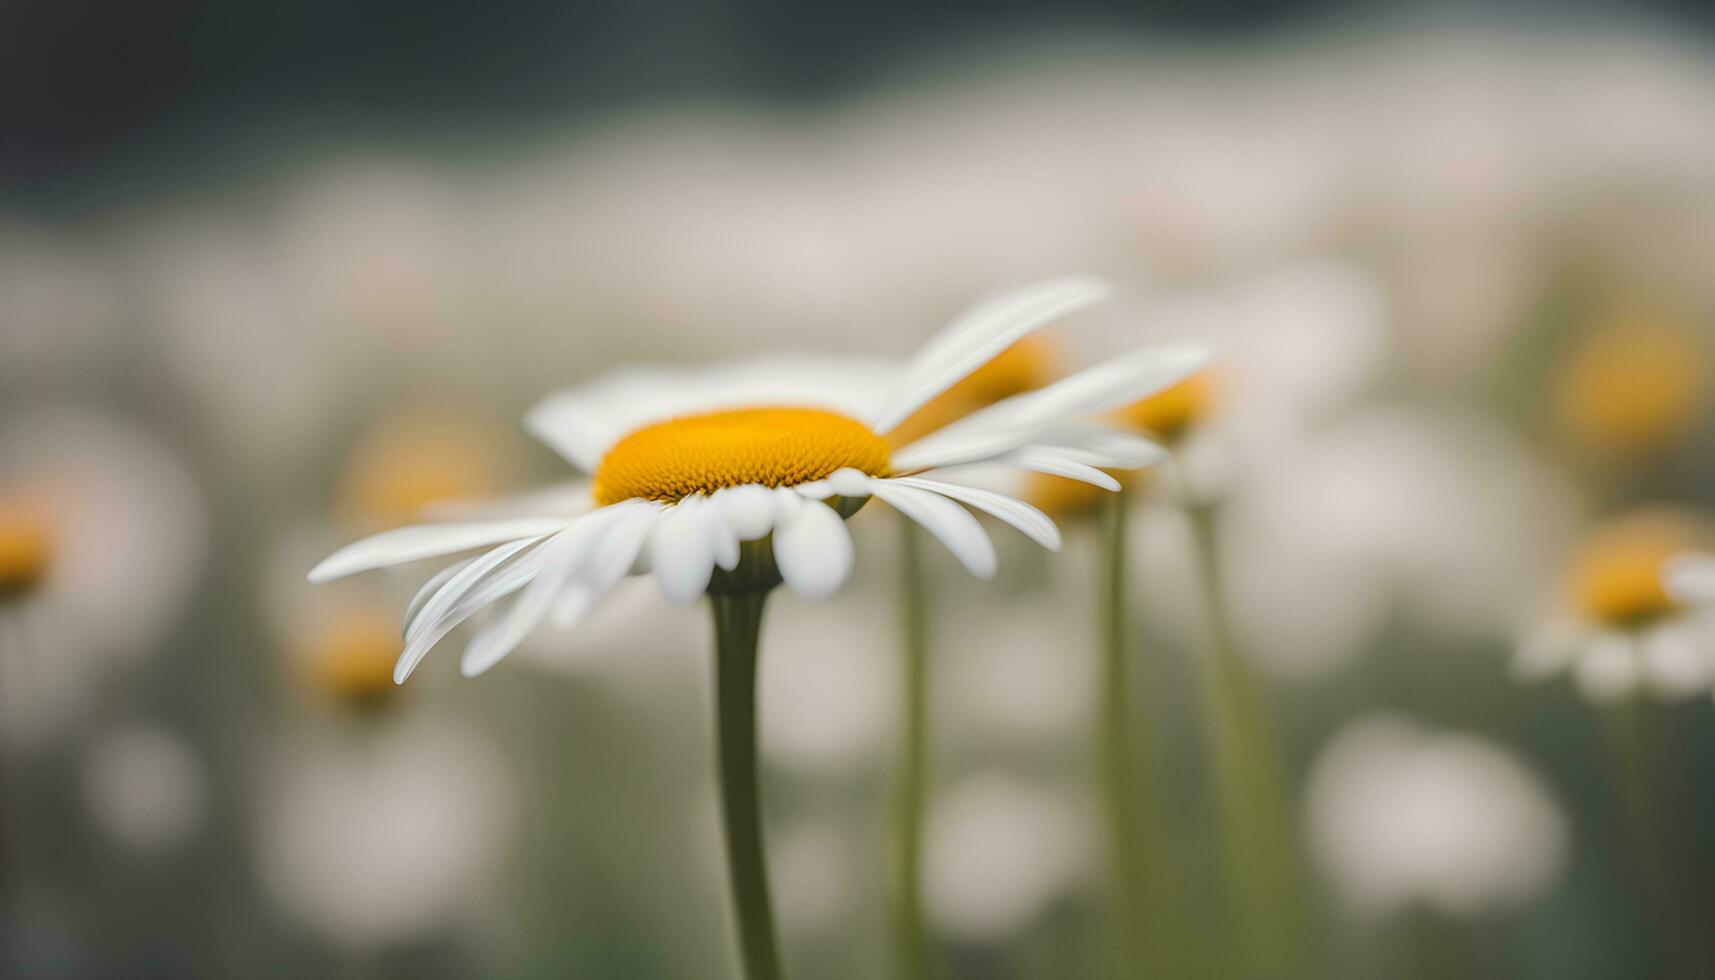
(1459,287)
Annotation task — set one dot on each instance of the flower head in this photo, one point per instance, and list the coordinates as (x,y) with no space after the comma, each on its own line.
(350,660)
(1631,386)
(737,478)
(1623,625)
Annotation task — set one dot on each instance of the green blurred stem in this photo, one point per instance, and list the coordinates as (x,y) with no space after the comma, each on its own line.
(1255,822)
(911,941)
(1648,833)
(1122,796)
(738,624)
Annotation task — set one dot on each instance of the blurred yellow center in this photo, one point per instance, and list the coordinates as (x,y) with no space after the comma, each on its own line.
(26,548)
(1633,386)
(352,661)
(1615,574)
(773,447)
(1171,412)
(421,457)
(1025,366)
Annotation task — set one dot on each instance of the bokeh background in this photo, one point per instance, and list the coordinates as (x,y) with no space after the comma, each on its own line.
(275,276)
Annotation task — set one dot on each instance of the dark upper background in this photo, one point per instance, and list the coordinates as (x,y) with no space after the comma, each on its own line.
(101,100)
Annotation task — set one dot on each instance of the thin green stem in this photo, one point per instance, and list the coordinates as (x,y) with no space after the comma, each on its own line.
(738,625)
(1647,831)
(911,940)
(1256,825)
(1127,811)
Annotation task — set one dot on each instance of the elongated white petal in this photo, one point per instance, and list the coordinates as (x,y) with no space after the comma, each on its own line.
(429,588)
(951,524)
(609,562)
(681,556)
(562,556)
(814,551)
(458,585)
(1691,579)
(750,511)
(723,540)
(405,544)
(1035,524)
(1608,669)
(1024,419)
(433,624)
(1056,464)
(976,338)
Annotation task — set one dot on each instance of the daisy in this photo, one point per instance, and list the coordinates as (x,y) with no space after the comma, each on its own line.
(102,532)
(1628,621)
(728,483)
(1403,817)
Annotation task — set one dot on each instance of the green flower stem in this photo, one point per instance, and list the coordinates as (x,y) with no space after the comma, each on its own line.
(1647,831)
(1256,825)
(738,624)
(1122,792)
(911,940)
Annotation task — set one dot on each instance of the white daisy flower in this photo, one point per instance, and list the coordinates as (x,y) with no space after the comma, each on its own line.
(1400,816)
(102,535)
(689,469)
(1630,617)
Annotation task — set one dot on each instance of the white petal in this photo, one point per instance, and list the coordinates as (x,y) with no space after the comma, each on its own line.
(680,554)
(786,505)
(470,590)
(749,510)
(848,482)
(1608,670)
(1548,650)
(459,584)
(978,337)
(405,544)
(723,538)
(948,522)
(1021,420)
(1056,464)
(608,563)
(562,556)
(1674,663)
(1037,525)
(814,551)
(814,490)
(1691,579)
(429,588)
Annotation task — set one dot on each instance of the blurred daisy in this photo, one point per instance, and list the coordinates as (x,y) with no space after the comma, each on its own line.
(101,536)
(1626,620)
(145,788)
(1400,816)
(378,842)
(1000,852)
(1633,385)
(688,468)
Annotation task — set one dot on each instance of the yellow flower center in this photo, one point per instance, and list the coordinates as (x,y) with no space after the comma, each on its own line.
(26,549)
(1025,366)
(773,447)
(1634,386)
(351,662)
(1615,574)
(1170,413)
